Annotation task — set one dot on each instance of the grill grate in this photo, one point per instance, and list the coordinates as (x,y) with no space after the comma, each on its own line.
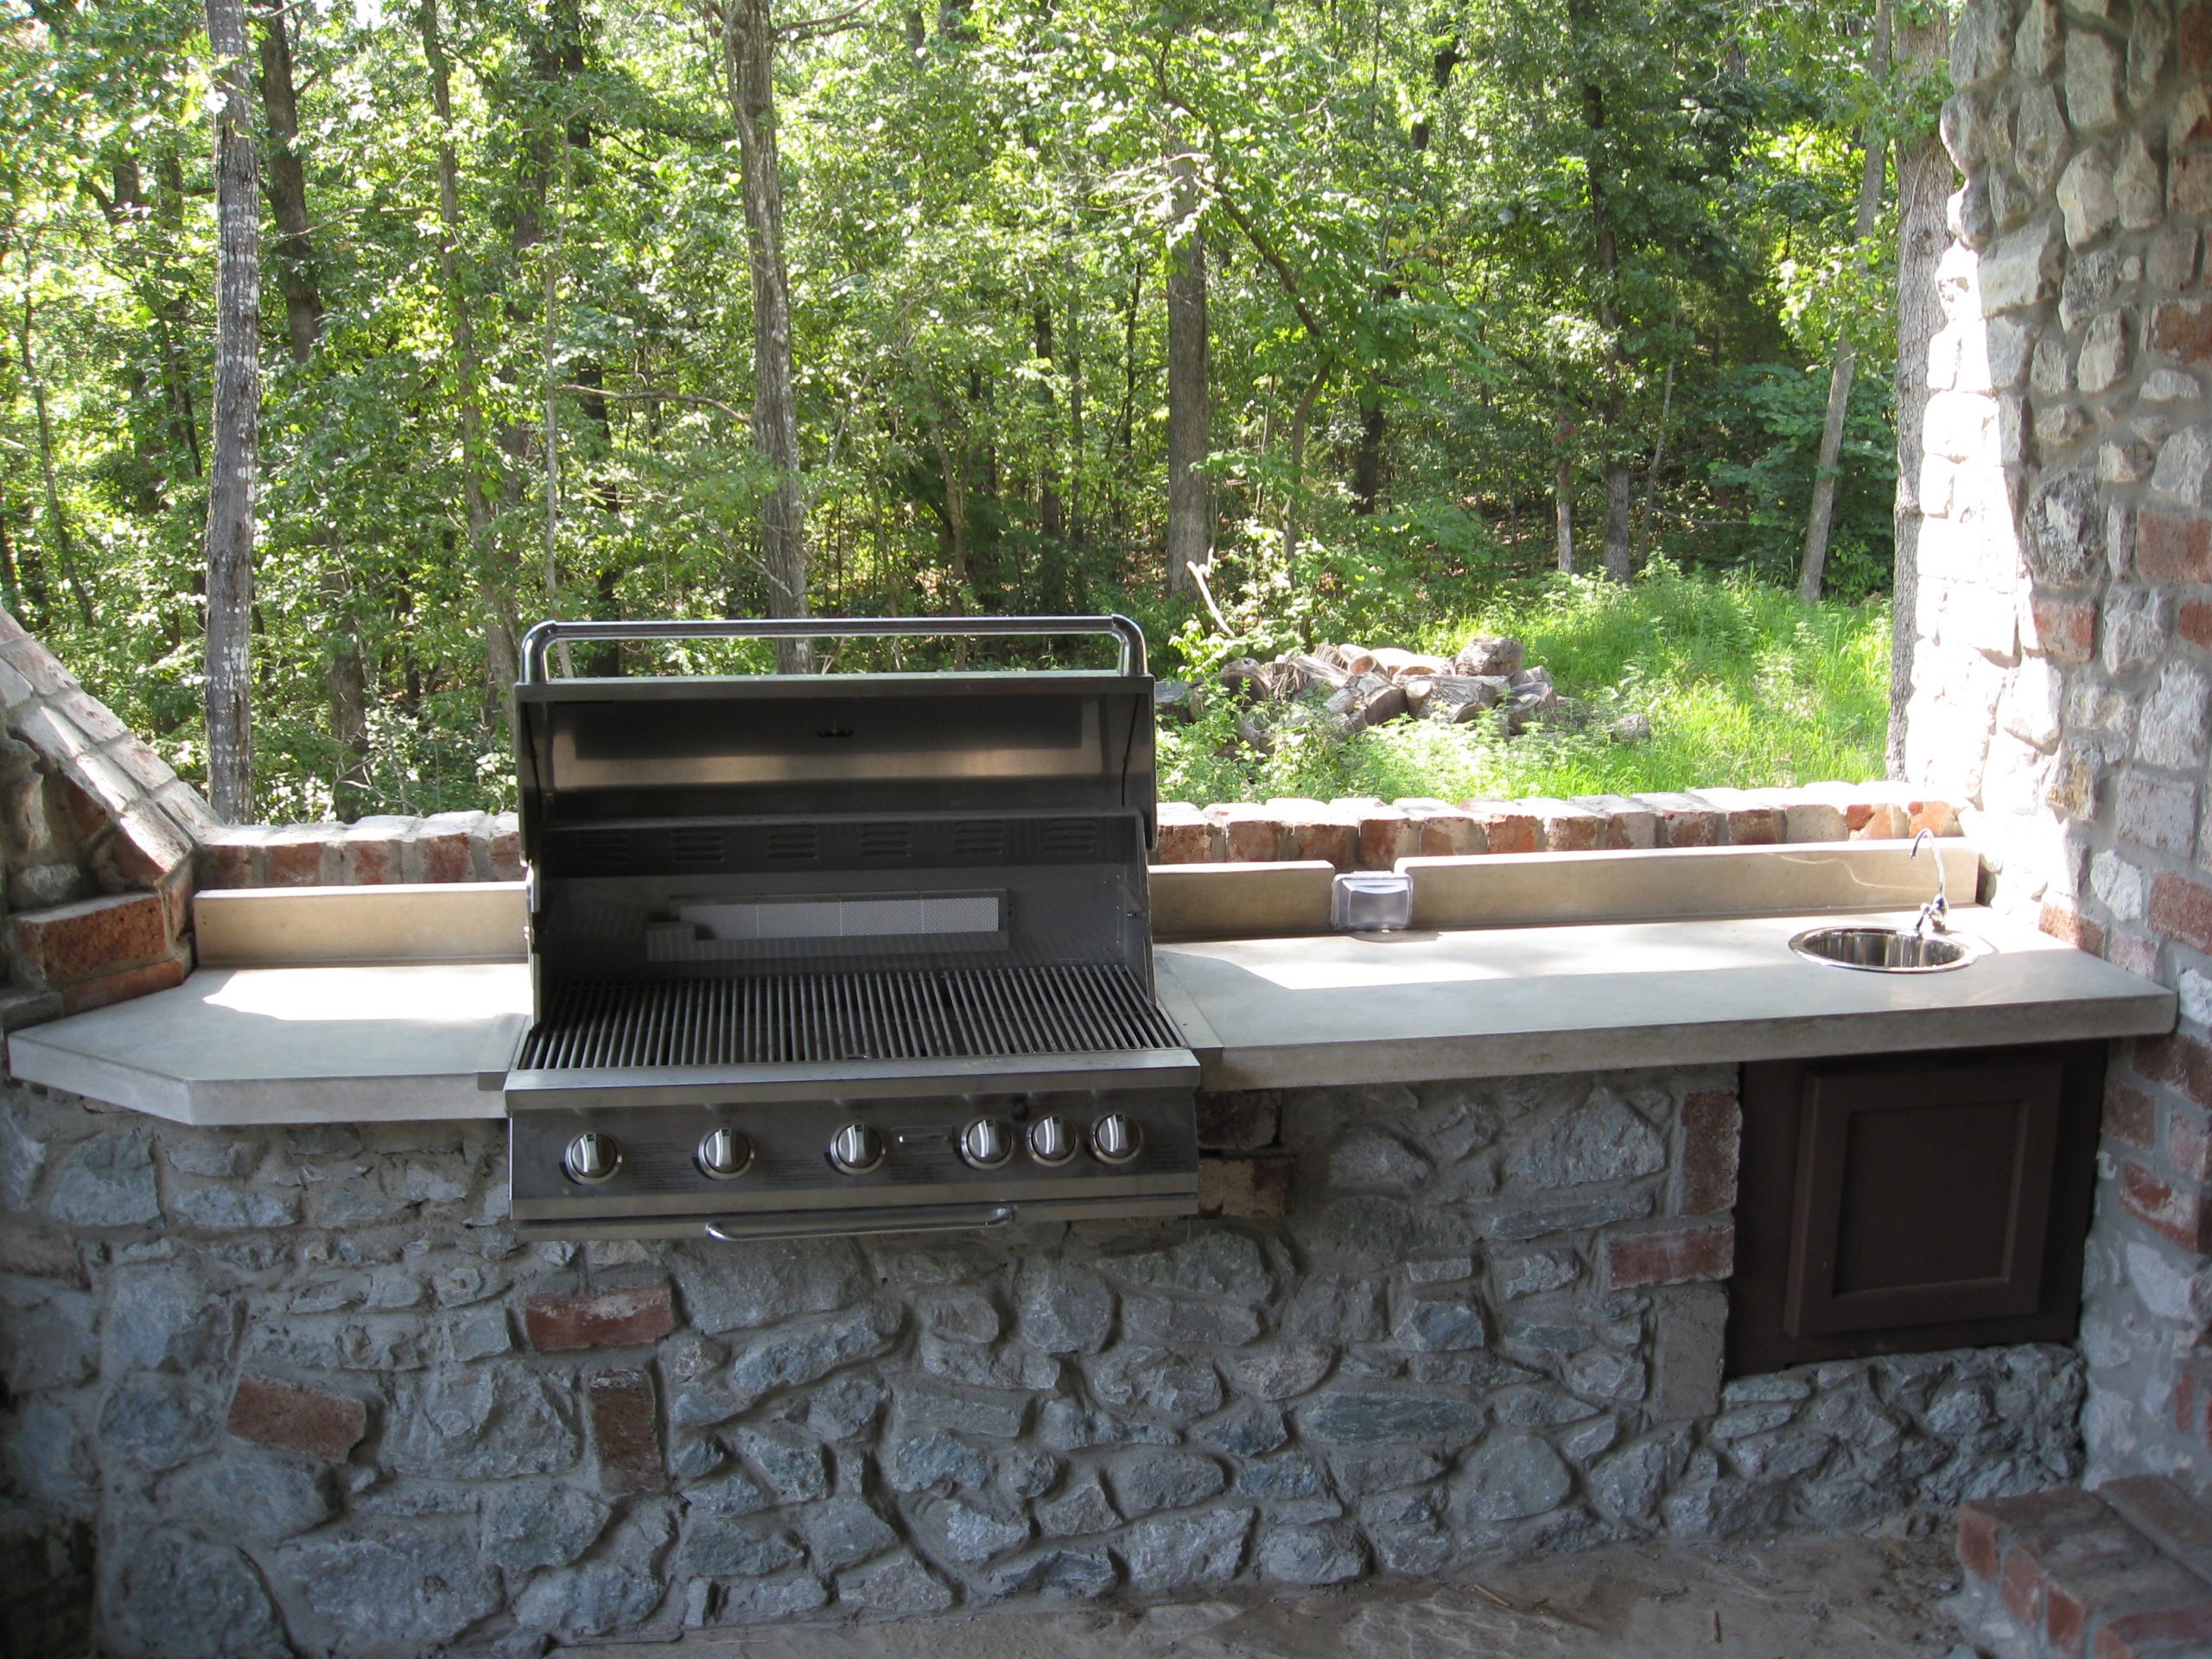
(882,1014)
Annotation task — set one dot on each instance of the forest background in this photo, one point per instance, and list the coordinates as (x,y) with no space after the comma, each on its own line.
(1370,312)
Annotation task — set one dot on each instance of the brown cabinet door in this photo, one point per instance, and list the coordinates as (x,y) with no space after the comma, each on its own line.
(1914,1202)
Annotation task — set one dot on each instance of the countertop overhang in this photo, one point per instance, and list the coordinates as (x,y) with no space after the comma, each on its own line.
(258,1044)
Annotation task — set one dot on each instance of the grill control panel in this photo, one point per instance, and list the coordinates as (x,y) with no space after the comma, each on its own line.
(669,1168)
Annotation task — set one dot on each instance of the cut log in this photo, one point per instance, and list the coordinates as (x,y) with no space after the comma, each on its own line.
(1357,659)
(1318,669)
(1329,654)
(1456,699)
(1178,700)
(1418,688)
(1256,735)
(1366,699)
(1404,664)
(1240,678)
(1489,655)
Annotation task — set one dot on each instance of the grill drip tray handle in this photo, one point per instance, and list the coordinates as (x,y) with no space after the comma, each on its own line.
(885,1219)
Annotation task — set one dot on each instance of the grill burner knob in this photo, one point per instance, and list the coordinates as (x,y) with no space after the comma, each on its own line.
(1114,1138)
(986,1144)
(856,1149)
(592,1158)
(724,1155)
(1049,1142)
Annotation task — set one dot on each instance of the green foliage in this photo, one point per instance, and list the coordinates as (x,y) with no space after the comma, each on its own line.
(1741,684)
(1400,205)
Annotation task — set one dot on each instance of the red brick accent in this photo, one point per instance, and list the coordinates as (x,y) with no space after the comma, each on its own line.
(505,849)
(2174,546)
(1569,828)
(442,848)
(1685,821)
(37,1252)
(1446,831)
(1504,827)
(2162,1512)
(2136,952)
(2195,623)
(2019,1585)
(121,986)
(2180,909)
(1247,1189)
(295,854)
(626,1430)
(2193,36)
(2065,628)
(2139,1636)
(1317,830)
(2180,1061)
(558,1319)
(1186,835)
(2184,327)
(2189,1148)
(2131,1117)
(76,941)
(1386,834)
(1711,1125)
(2064,922)
(1675,1255)
(2181,1213)
(297,1419)
(2193,1400)
(1978,1548)
(1250,835)
(2075,1592)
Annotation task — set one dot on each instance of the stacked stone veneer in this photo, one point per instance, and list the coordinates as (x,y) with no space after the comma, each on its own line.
(2062,676)
(304,1390)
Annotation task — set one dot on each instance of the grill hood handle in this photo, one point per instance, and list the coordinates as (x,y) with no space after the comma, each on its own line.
(883,1219)
(546,635)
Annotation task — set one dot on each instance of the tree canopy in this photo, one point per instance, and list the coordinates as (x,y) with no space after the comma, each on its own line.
(1462,263)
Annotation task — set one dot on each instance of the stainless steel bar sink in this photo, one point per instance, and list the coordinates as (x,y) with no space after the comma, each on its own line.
(1885,950)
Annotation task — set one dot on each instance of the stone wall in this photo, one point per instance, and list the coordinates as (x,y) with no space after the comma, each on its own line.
(278,1391)
(2062,676)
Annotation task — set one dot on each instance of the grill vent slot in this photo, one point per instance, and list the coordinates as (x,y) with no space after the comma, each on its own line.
(604,852)
(889,840)
(696,846)
(881,1014)
(793,843)
(979,838)
(1071,837)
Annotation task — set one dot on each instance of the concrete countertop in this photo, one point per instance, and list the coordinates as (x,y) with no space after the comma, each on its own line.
(323,1044)
(294,1045)
(1402,1008)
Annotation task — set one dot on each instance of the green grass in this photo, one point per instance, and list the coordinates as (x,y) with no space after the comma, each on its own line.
(1742,683)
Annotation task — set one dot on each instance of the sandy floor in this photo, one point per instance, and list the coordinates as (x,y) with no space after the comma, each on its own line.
(1872,1595)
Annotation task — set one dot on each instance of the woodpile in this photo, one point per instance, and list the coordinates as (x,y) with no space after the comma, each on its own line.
(1344,688)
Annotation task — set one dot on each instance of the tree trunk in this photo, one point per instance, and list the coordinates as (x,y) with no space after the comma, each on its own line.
(1871,178)
(236,430)
(748,66)
(1563,494)
(297,276)
(1189,532)
(57,522)
(502,626)
(1658,462)
(1923,185)
(1295,495)
(1051,519)
(1620,492)
(1367,458)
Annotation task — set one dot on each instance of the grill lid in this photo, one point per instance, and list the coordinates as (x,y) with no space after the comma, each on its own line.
(921,1014)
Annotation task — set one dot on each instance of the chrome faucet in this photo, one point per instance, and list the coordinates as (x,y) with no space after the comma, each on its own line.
(1936,912)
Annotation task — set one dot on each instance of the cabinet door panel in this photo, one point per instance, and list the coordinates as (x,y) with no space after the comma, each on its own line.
(1921,1196)
(1913,1202)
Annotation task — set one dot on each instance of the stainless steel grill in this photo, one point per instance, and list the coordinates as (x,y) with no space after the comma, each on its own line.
(929,1014)
(842,952)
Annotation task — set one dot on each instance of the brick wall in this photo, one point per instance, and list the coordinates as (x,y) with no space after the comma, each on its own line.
(2062,672)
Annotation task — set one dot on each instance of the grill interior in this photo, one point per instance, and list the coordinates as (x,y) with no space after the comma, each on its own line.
(877,1015)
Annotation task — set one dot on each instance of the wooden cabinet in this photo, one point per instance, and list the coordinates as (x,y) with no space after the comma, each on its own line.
(1912,1203)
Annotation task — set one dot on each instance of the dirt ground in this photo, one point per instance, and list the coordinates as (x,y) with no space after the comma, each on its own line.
(1869,1595)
